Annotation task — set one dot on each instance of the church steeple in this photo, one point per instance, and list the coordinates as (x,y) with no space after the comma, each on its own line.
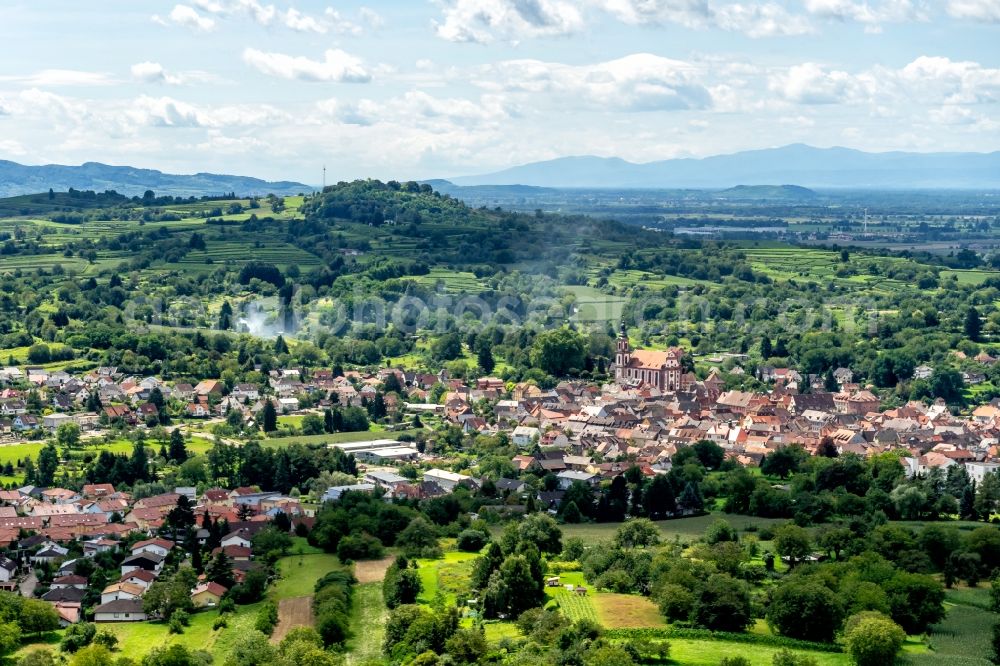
(624,354)
(623,344)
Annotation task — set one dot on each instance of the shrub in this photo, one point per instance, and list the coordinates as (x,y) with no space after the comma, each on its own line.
(359,547)
(78,636)
(472,541)
(872,639)
(108,639)
(267,618)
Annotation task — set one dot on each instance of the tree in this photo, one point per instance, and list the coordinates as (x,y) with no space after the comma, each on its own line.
(484,358)
(792,542)
(68,435)
(710,454)
(691,499)
(93,655)
(783,461)
(139,462)
(401,584)
(806,609)
(418,539)
(37,617)
(225,316)
(77,636)
(10,637)
(559,351)
(637,533)
(720,531)
(765,348)
(995,644)
(723,604)
(538,530)
(916,601)
(467,646)
(512,589)
(973,324)
(48,462)
(181,517)
(658,497)
(872,639)
(251,648)
(269,421)
(220,570)
(178,449)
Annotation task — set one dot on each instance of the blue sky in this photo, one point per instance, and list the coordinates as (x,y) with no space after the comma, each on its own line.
(419,89)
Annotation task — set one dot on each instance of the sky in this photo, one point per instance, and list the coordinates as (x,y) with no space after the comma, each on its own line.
(414,89)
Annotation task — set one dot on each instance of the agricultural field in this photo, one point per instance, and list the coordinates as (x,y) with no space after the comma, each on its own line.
(592,305)
(963,637)
(451,281)
(681,529)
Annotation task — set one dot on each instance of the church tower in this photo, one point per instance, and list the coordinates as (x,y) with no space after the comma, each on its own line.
(624,354)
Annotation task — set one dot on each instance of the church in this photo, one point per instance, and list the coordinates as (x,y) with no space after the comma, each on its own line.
(659,369)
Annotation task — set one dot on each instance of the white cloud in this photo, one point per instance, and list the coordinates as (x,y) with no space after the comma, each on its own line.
(267,15)
(484,21)
(688,13)
(760,20)
(809,83)
(638,82)
(417,108)
(871,14)
(927,80)
(952,82)
(754,19)
(11,147)
(302,22)
(154,72)
(987,11)
(187,17)
(169,112)
(371,18)
(337,66)
(50,78)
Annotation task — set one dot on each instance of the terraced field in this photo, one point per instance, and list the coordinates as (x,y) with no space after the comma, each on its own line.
(452,281)
(239,252)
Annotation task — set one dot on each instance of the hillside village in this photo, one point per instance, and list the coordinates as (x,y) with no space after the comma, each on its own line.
(575,432)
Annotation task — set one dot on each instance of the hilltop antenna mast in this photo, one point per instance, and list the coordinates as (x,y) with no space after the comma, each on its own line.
(324,178)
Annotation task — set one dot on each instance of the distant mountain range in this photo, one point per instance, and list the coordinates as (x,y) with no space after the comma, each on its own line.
(798,163)
(17,179)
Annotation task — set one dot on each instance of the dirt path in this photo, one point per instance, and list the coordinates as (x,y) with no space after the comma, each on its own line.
(294,612)
(372,571)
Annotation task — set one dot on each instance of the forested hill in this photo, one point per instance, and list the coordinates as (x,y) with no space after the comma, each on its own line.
(17,179)
(414,221)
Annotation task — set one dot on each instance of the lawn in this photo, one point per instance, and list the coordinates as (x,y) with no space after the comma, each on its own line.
(338,438)
(136,639)
(691,652)
(298,574)
(368,618)
(626,611)
(684,529)
(448,576)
